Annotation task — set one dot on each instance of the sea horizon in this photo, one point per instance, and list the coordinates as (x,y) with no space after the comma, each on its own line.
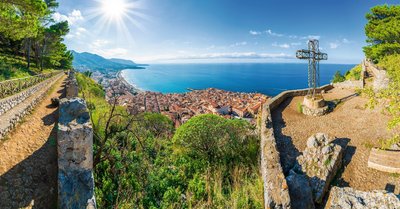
(267,78)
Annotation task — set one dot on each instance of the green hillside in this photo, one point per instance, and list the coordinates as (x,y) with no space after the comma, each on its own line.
(87,61)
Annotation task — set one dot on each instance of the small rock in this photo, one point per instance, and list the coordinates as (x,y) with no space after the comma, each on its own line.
(322,138)
(312,142)
(326,150)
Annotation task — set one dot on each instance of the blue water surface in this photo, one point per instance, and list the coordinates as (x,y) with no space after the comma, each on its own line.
(266,78)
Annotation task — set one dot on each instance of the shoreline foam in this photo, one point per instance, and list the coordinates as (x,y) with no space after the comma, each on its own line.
(134,89)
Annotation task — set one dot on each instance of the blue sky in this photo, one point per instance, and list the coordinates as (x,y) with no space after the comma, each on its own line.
(162,31)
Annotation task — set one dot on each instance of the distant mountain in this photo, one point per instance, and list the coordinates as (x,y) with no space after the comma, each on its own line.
(89,61)
(122,61)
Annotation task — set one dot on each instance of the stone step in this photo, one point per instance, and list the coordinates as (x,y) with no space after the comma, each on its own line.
(384,160)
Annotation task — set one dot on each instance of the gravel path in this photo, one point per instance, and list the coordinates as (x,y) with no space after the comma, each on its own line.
(28,158)
(351,123)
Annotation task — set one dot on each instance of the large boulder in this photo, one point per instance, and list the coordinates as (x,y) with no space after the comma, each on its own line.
(349,198)
(320,161)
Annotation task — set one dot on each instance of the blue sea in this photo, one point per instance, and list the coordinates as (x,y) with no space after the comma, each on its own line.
(266,78)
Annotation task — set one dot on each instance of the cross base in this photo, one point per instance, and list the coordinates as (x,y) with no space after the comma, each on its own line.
(314,106)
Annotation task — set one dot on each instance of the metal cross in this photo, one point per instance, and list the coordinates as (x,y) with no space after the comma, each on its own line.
(314,56)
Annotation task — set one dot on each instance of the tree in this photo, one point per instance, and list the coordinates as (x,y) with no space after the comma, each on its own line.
(216,142)
(383,32)
(20,18)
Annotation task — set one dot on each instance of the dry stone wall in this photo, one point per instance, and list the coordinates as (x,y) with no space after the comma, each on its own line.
(71,86)
(381,79)
(9,102)
(350,84)
(75,151)
(276,189)
(13,109)
(75,155)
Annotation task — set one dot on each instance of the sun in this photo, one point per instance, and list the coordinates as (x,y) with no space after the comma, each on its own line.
(120,17)
(114,9)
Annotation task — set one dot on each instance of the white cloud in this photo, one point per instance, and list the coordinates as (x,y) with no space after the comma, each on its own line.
(285,45)
(295,44)
(337,43)
(255,33)
(232,55)
(72,17)
(98,43)
(269,32)
(311,37)
(333,45)
(243,43)
(210,47)
(111,52)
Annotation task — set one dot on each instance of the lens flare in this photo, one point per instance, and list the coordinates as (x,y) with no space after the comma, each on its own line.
(114,9)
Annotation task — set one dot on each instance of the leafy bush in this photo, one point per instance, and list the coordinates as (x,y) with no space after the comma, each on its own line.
(338,77)
(354,74)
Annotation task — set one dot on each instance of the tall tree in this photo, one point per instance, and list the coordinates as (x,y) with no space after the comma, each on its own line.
(383,32)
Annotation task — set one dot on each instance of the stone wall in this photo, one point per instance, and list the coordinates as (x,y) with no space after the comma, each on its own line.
(349,84)
(18,106)
(276,191)
(75,155)
(381,79)
(75,151)
(71,87)
(9,102)
(277,100)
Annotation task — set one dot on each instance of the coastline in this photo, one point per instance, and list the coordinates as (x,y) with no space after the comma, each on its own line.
(131,87)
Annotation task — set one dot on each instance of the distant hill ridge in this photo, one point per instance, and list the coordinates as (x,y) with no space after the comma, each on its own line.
(88,61)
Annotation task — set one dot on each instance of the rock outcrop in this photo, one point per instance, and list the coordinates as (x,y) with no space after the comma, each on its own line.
(349,198)
(320,162)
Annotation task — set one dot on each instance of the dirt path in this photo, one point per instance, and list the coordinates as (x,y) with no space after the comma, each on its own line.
(28,158)
(351,123)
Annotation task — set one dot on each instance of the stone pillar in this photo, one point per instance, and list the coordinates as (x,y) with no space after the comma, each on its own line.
(75,155)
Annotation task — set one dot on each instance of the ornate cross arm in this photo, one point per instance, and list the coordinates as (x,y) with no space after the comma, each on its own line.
(307,54)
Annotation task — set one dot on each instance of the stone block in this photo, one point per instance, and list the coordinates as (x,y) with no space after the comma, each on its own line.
(320,161)
(349,198)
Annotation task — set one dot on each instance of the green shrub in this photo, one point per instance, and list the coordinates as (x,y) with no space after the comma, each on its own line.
(299,107)
(338,77)
(354,73)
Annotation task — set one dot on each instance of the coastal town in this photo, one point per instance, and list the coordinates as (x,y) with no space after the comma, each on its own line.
(180,107)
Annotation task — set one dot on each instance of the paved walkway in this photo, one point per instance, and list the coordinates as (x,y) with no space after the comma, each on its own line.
(28,158)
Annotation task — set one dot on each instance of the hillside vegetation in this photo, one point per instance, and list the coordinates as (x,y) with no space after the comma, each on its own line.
(142,161)
(352,74)
(30,40)
(383,36)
